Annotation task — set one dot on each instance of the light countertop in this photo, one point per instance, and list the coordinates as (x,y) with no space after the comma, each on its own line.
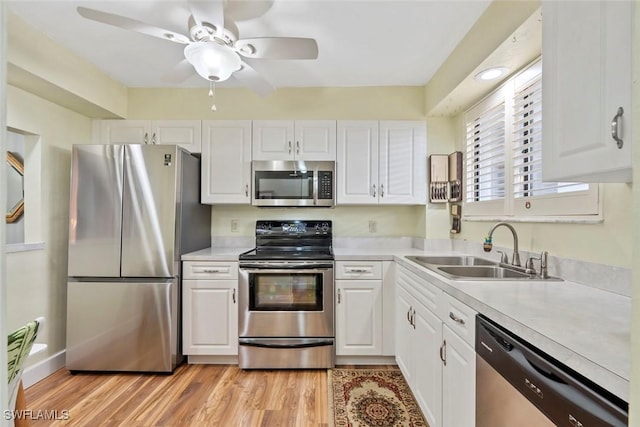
(585,328)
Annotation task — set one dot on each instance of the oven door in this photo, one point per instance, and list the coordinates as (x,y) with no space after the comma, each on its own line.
(286,300)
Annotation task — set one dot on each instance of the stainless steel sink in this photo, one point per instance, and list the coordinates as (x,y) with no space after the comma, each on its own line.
(484,272)
(450,260)
(466,267)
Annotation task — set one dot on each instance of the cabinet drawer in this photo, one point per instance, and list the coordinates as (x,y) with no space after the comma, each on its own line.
(423,291)
(358,270)
(209,270)
(459,318)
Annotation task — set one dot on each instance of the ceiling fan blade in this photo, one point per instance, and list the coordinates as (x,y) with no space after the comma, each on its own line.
(211,11)
(254,81)
(242,10)
(131,24)
(179,73)
(278,48)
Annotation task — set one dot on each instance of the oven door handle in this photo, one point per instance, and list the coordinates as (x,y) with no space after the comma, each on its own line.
(252,268)
(302,343)
(283,270)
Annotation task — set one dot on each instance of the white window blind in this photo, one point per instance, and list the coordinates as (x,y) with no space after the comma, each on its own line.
(503,176)
(527,145)
(485,170)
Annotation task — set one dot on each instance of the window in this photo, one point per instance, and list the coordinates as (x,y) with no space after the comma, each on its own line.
(504,157)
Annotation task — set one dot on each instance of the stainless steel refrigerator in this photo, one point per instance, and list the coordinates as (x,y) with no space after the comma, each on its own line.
(134,210)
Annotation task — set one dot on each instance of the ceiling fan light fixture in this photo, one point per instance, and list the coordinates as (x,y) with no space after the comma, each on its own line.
(212,61)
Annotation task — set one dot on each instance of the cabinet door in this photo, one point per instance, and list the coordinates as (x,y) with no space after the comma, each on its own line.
(458,382)
(125,132)
(359,317)
(586,78)
(403,162)
(357,162)
(315,140)
(226,162)
(273,140)
(427,365)
(185,133)
(210,317)
(404,333)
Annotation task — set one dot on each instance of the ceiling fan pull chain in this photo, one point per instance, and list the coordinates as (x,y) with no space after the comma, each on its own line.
(212,93)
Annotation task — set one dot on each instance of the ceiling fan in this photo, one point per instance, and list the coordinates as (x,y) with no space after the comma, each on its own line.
(213,47)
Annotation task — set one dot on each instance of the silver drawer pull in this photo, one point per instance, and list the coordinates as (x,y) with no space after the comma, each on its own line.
(456,318)
(212,270)
(234,295)
(357,270)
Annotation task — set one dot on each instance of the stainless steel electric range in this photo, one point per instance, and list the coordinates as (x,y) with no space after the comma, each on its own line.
(285,297)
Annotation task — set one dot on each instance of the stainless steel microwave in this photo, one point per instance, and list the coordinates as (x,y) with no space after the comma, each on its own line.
(293,183)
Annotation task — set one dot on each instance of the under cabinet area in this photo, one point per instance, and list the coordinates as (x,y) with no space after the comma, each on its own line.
(586,91)
(209,308)
(364,308)
(434,350)
(294,140)
(381,162)
(185,133)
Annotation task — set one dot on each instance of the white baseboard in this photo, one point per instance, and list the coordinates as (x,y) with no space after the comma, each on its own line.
(43,369)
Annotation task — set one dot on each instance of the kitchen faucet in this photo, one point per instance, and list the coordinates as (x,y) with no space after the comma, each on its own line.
(488,245)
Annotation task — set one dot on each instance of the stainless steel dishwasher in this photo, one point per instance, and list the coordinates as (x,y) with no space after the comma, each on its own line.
(519,385)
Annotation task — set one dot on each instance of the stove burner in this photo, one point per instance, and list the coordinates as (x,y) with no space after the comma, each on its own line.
(299,240)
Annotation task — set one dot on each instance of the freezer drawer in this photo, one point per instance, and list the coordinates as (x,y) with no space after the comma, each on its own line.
(122,326)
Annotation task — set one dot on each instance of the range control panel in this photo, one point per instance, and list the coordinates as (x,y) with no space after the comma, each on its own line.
(293,227)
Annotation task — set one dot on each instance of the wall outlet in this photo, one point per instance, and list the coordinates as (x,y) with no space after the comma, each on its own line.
(373,226)
(234,225)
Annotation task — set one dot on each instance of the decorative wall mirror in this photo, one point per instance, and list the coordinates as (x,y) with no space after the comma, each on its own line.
(15,188)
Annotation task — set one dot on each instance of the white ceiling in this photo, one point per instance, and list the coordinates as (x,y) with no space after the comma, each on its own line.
(361,43)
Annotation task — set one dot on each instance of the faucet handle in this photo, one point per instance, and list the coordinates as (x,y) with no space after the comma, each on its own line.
(504,259)
(529,267)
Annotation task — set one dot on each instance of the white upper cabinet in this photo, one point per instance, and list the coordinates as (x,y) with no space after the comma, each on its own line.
(185,133)
(294,140)
(586,80)
(226,162)
(381,162)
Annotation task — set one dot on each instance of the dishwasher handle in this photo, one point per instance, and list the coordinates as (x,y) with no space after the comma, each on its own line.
(563,395)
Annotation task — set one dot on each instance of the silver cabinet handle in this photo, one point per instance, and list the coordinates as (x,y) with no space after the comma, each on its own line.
(246,190)
(153,139)
(413,318)
(409,315)
(212,270)
(381,190)
(289,147)
(443,352)
(338,295)
(615,125)
(233,295)
(456,318)
(374,190)
(146,138)
(357,270)
(297,147)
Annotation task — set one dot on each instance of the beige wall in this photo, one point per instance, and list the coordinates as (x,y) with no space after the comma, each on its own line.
(36,280)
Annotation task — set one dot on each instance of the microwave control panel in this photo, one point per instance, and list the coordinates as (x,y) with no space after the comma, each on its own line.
(325,185)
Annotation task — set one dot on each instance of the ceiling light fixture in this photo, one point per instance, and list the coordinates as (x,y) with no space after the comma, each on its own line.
(490,73)
(212,61)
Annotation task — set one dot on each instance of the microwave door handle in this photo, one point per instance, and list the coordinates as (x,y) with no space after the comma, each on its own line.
(315,187)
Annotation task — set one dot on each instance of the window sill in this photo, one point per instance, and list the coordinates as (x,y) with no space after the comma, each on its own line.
(577,219)
(23,247)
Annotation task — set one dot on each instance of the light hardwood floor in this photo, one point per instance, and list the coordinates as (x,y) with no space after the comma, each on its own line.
(195,395)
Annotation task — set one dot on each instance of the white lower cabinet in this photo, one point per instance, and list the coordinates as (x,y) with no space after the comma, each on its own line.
(458,381)
(362,308)
(438,364)
(209,308)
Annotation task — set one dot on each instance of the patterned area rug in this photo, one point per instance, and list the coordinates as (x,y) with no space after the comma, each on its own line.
(372,397)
